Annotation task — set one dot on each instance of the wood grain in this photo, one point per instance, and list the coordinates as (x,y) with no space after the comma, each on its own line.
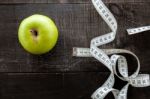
(77,24)
(57,74)
(57,85)
(69,1)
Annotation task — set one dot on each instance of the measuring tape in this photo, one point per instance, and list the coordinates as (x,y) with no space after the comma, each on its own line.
(115,60)
(138,30)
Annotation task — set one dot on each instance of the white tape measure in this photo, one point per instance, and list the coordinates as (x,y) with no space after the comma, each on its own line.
(135,80)
(138,30)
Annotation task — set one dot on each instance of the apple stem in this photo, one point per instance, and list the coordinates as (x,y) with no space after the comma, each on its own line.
(34,32)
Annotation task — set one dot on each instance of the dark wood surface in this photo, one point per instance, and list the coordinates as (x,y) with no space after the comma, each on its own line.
(57,74)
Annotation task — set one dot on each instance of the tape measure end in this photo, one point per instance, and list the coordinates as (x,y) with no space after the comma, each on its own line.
(74,53)
(129,32)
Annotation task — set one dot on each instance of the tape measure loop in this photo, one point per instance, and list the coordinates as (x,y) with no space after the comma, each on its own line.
(135,80)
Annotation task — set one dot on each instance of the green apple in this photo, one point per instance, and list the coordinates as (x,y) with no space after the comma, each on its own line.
(38,34)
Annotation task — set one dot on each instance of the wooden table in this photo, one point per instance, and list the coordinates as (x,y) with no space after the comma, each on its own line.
(58,75)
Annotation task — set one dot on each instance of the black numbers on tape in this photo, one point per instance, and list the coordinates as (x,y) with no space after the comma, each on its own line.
(97,95)
(106,15)
(103,11)
(122,97)
(101,92)
(101,40)
(133,82)
(139,81)
(100,7)
(97,3)
(109,19)
(107,61)
(95,52)
(144,81)
(110,63)
(109,37)
(138,30)
(100,55)
(105,38)
(110,80)
(92,49)
(104,58)
(122,92)
(105,89)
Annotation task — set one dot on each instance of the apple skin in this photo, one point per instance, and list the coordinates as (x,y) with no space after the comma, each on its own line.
(37,34)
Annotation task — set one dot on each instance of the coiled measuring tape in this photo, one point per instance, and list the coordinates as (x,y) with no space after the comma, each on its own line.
(135,80)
